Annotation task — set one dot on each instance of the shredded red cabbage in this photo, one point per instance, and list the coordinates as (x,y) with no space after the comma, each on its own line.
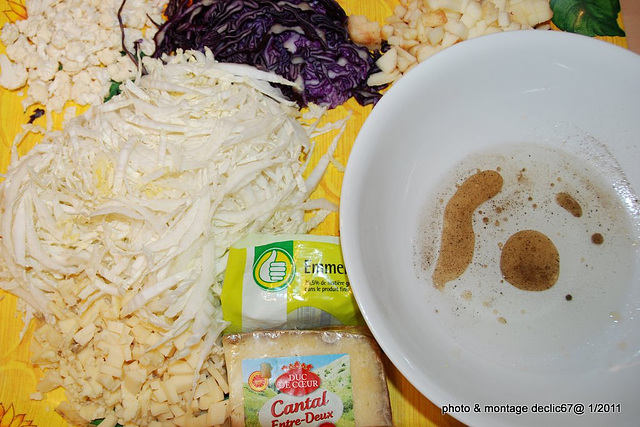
(305,41)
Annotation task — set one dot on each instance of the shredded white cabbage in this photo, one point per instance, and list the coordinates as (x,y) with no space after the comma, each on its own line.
(120,224)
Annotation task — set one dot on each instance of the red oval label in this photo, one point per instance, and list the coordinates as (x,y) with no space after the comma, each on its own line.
(298,380)
(256,382)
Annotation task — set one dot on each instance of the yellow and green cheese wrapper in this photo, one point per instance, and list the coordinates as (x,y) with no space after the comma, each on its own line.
(287,282)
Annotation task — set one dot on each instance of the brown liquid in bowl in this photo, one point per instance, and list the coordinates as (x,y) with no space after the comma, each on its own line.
(569,204)
(530,261)
(458,238)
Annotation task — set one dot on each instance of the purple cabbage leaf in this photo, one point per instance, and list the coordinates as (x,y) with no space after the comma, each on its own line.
(304,41)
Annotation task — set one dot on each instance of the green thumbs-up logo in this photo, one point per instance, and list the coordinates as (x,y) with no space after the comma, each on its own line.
(273,269)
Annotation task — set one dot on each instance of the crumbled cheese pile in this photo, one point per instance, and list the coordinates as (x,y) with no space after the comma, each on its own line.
(70,50)
(419,28)
(116,230)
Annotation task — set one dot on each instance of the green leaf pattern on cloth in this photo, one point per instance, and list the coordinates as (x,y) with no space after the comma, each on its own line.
(588,17)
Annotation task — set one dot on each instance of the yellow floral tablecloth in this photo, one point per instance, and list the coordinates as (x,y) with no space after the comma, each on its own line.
(18,377)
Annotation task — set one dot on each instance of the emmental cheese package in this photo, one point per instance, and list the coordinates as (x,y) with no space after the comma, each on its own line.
(287,282)
(321,378)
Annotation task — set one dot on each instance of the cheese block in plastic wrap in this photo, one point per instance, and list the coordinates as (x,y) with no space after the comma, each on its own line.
(306,378)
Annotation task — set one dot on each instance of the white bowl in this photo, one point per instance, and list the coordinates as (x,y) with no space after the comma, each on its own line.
(566,108)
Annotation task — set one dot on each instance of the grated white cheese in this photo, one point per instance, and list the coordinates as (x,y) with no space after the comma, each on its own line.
(116,230)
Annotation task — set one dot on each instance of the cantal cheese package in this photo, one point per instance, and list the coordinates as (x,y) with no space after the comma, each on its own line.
(319,378)
(287,282)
